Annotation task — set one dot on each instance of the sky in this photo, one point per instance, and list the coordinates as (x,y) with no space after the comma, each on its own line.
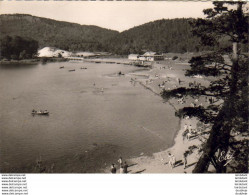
(114,15)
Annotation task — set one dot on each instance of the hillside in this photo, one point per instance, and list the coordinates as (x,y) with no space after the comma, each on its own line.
(162,36)
(47,32)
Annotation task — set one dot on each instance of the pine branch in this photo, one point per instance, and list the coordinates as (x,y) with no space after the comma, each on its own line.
(199,112)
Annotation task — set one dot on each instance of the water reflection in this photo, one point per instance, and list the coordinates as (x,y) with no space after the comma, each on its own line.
(18,65)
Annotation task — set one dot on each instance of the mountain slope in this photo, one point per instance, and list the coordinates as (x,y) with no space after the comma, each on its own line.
(162,36)
(54,33)
(171,35)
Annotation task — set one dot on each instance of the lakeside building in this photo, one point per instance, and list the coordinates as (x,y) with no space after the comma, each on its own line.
(50,52)
(148,56)
(133,56)
(83,54)
(87,55)
(151,56)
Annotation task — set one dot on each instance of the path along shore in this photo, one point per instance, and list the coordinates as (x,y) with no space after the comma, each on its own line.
(166,75)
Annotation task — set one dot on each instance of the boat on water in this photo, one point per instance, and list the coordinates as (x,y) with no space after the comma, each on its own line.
(120,73)
(83,68)
(61,67)
(40,112)
(71,70)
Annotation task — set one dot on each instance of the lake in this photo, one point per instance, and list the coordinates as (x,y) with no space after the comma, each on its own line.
(89,109)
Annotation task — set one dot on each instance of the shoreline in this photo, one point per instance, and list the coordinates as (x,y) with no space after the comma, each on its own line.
(155,163)
(104,153)
(32,61)
(158,162)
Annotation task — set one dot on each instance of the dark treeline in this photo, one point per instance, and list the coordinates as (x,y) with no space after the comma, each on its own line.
(17,48)
(162,36)
(227,114)
(47,32)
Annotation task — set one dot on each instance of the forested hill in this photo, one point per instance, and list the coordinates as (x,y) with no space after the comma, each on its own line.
(48,32)
(172,35)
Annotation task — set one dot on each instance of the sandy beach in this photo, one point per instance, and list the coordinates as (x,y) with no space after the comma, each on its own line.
(166,75)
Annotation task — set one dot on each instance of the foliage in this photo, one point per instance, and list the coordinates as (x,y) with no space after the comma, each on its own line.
(47,32)
(18,48)
(175,57)
(228,114)
(162,36)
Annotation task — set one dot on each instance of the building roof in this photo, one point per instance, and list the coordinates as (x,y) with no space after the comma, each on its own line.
(149,53)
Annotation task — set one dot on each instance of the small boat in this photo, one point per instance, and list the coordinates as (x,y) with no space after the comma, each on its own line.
(71,70)
(40,112)
(120,73)
(83,68)
(61,67)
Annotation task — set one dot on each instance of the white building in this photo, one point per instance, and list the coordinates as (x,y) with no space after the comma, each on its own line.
(84,54)
(133,56)
(151,56)
(148,56)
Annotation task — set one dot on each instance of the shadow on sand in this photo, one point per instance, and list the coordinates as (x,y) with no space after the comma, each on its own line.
(190,165)
(178,163)
(132,165)
(140,171)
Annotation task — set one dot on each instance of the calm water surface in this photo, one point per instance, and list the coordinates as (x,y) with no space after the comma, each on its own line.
(81,113)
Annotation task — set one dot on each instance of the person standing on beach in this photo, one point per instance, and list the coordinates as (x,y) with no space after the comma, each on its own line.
(113,169)
(125,167)
(185,160)
(120,161)
(172,160)
(121,169)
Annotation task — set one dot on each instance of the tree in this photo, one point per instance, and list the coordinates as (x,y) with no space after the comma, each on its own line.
(5,49)
(228,115)
(22,55)
(17,47)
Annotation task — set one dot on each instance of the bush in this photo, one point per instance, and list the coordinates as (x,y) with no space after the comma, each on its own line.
(175,57)
(44,60)
(17,47)
(14,57)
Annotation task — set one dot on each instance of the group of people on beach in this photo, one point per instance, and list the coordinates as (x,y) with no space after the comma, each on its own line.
(194,85)
(189,131)
(172,160)
(164,67)
(123,167)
